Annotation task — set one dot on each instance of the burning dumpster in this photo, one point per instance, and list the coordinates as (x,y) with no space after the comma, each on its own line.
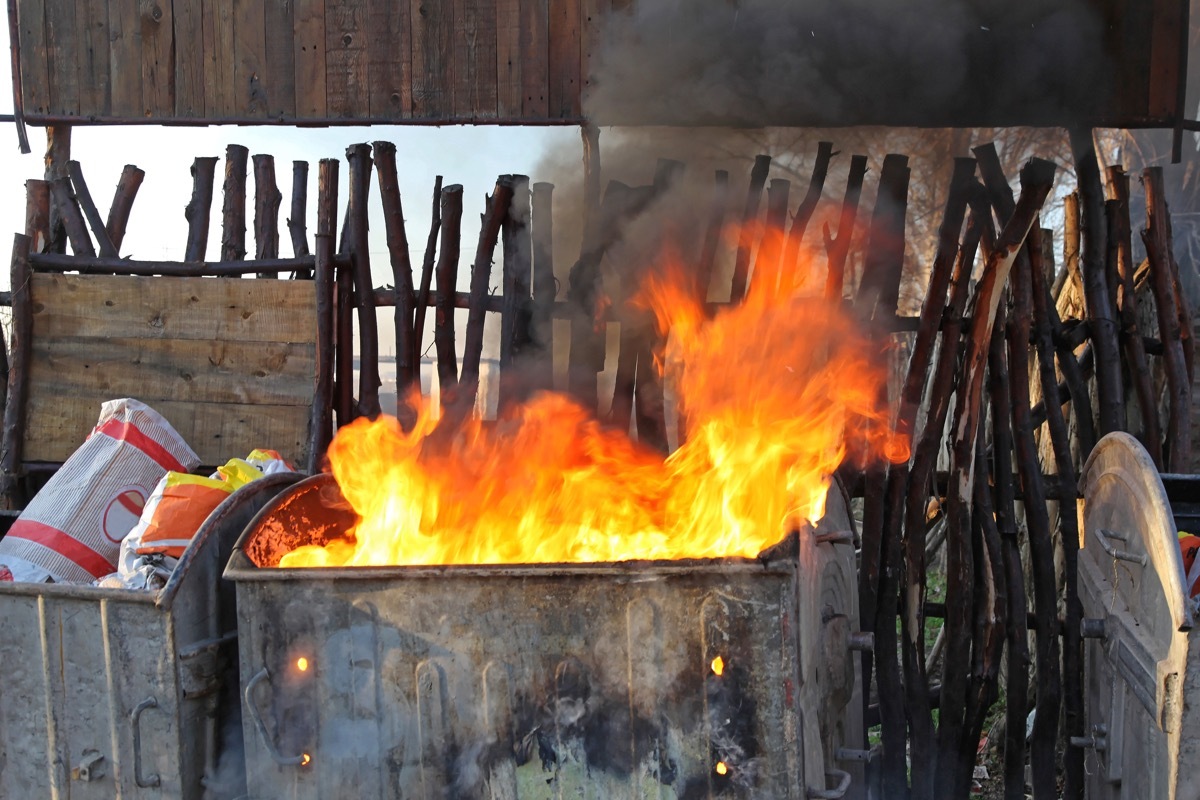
(115,693)
(698,678)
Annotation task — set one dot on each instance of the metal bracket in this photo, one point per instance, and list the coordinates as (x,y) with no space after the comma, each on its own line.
(863,641)
(1093,628)
(1098,741)
(852,754)
(837,792)
(836,537)
(1104,537)
(91,767)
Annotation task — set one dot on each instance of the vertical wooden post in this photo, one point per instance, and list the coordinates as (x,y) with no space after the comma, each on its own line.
(1120,236)
(233,212)
(297,221)
(37,214)
(359,157)
(588,341)
(767,264)
(402,279)
(13,432)
(1101,316)
(879,291)
(1156,237)
(746,237)
(515,321)
(421,306)
(712,235)
(58,153)
(544,289)
(838,249)
(122,204)
(788,279)
(199,207)
(481,273)
(321,425)
(447,282)
(267,199)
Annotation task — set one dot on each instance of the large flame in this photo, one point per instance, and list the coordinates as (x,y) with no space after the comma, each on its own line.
(771,390)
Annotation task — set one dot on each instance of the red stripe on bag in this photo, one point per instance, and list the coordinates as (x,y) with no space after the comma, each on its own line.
(124,431)
(66,546)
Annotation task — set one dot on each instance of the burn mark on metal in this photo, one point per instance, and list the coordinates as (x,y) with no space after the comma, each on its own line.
(519,680)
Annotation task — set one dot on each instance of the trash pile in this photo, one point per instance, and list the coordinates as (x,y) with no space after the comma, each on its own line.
(124,507)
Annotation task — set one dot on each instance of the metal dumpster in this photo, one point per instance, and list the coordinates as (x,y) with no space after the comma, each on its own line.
(112,693)
(689,679)
(1141,658)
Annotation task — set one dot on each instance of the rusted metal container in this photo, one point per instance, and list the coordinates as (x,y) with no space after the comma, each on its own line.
(537,681)
(114,693)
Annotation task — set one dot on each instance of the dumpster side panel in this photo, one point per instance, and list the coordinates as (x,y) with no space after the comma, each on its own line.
(24,746)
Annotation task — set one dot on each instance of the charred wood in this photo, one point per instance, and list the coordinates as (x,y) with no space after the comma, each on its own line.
(1109,388)
(838,249)
(749,227)
(447,280)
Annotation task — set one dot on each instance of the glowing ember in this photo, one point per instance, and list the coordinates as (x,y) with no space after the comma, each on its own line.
(718,665)
(305,759)
(302,664)
(772,389)
(721,768)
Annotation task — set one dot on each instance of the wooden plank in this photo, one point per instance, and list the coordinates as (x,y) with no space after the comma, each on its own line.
(158,43)
(535,58)
(346,59)
(63,68)
(211,371)
(280,70)
(91,16)
(594,12)
(474,59)
(1165,57)
(189,58)
(35,56)
(174,308)
(219,87)
(125,58)
(564,59)
(389,59)
(309,49)
(250,49)
(432,59)
(216,431)
(508,59)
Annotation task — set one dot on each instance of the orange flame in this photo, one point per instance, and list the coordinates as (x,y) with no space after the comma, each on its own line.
(771,389)
(718,666)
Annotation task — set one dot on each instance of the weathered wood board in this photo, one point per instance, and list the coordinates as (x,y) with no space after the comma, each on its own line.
(561,61)
(230,363)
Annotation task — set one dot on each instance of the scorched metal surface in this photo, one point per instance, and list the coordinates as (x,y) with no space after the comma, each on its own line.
(537,681)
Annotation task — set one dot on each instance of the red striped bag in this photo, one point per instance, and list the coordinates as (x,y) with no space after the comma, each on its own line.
(73,528)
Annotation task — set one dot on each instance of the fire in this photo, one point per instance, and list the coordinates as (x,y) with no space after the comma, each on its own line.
(721,768)
(302,664)
(718,666)
(772,389)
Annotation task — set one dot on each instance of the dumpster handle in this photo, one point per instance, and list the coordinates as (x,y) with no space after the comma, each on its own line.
(287,761)
(135,719)
(835,793)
